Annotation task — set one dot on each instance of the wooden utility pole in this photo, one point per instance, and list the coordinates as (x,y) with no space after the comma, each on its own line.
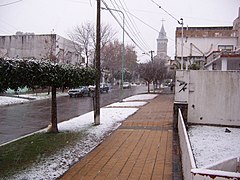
(98,69)
(151,52)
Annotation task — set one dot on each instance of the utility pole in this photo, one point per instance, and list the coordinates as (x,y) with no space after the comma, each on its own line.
(151,52)
(98,69)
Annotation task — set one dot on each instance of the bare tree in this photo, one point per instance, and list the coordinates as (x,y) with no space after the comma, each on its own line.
(153,72)
(107,35)
(84,37)
(112,59)
(81,36)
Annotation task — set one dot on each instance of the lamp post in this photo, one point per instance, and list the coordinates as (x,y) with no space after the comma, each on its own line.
(181,44)
(122,80)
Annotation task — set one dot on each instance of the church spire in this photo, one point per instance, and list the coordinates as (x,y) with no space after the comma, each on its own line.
(162,42)
(162,33)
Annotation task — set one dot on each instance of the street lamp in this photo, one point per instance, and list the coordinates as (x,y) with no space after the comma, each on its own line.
(109,9)
(181,44)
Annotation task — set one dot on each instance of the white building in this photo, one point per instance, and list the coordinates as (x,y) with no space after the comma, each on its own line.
(200,42)
(45,46)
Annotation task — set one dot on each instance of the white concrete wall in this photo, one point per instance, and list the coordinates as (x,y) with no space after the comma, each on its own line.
(191,172)
(181,86)
(26,46)
(188,162)
(230,164)
(214,97)
(206,174)
(66,52)
(39,47)
(206,45)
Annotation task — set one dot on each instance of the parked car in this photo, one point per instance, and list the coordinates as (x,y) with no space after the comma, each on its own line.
(81,91)
(126,85)
(104,88)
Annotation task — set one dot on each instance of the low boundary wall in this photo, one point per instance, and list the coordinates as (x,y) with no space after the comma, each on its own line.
(190,171)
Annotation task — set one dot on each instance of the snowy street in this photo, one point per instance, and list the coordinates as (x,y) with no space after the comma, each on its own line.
(30,112)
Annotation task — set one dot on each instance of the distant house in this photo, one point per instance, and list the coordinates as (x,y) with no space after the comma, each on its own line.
(223,60)
(200,42)
(44,46)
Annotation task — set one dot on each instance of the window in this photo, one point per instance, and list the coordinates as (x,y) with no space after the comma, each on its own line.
(227,48)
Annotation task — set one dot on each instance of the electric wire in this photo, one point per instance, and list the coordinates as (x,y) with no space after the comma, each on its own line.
(166,12)
(132,27)
(1,5)
(134,24)
(106,6)
(176,20)
(129,26)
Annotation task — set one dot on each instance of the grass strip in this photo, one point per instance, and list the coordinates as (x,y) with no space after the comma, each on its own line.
(20,154)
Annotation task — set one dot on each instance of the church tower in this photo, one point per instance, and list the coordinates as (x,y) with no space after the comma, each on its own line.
(162,43)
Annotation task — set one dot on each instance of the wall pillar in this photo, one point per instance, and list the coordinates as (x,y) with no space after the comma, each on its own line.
(224,64)
(184,109)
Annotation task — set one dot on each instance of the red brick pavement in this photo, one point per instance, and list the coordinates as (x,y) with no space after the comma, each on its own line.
(140,149)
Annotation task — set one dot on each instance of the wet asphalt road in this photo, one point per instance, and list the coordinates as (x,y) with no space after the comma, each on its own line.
(22,119)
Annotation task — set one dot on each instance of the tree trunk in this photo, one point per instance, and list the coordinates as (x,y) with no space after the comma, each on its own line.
(148,86)
(54,128)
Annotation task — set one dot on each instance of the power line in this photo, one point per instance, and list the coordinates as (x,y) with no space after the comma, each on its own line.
(1,5)
(132,27)
(156,29)
(166,12)
(134,24)
(106,6)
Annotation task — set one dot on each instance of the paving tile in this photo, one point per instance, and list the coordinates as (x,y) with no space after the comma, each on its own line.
(142,148)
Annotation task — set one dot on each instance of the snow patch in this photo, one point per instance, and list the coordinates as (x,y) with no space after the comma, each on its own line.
(4,100)
(211,144)
(141,97)
(127,104)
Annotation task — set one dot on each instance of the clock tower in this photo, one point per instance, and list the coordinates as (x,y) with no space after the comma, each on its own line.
(162,43)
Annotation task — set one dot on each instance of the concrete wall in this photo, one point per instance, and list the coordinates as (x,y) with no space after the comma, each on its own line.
(66,52)
(27,46)
(220,171)
(188,162)
(39,47)
(214,97)
(207,174)
(182,86)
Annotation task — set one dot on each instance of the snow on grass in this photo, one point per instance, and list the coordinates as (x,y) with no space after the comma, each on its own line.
(56,165)
(4,100)
(141,97)
(127,104)
(22,98)
(110,117)
(211,144)
(40,96)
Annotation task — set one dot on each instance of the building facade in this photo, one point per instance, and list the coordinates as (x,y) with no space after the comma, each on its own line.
(45,46)
(200,42)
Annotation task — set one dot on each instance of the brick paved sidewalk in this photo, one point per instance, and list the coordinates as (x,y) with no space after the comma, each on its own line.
(140,149)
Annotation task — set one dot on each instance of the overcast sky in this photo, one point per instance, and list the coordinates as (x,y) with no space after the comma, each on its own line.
(143,17)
